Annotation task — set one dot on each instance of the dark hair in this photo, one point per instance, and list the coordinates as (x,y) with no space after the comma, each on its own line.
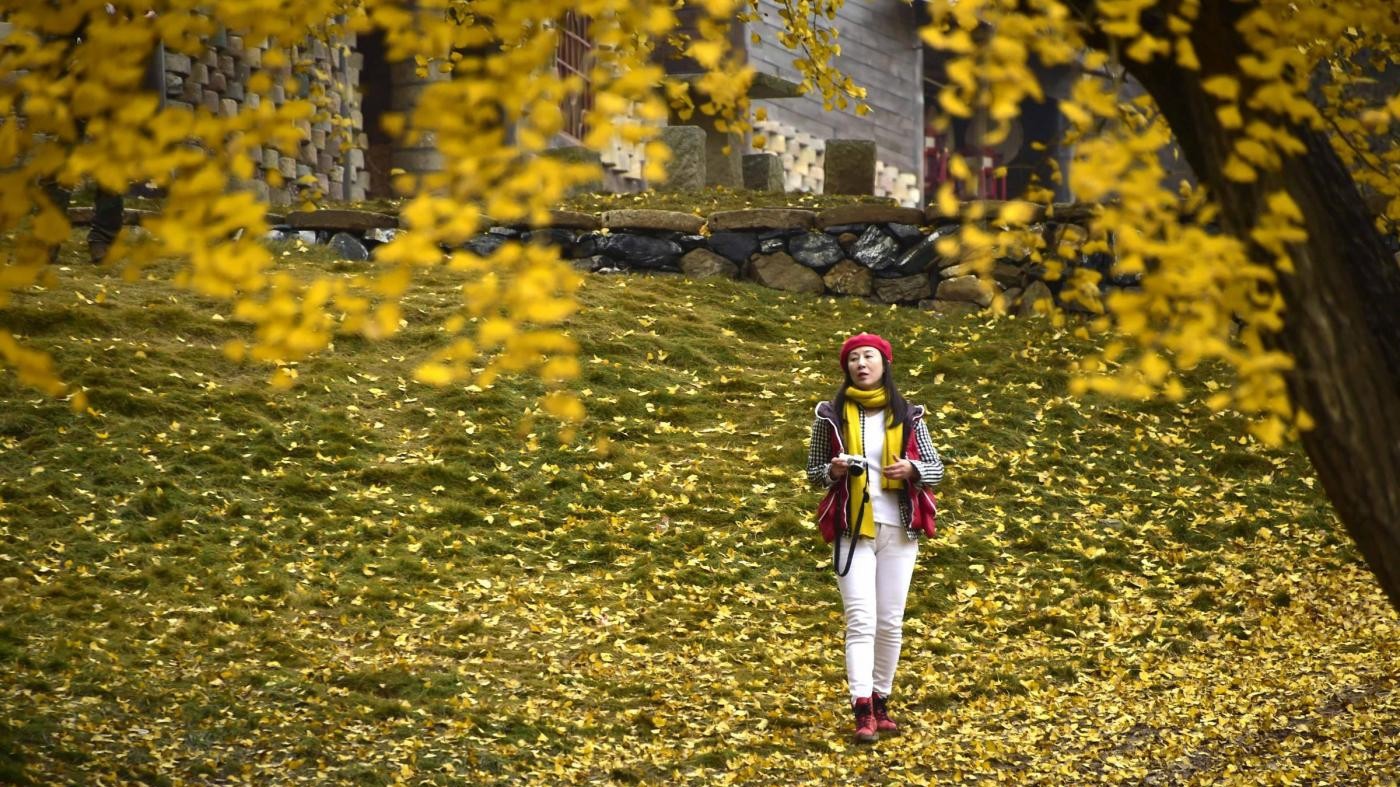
(899,408)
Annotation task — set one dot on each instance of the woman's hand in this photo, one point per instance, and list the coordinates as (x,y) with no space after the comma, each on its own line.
(903,470)
(838,468)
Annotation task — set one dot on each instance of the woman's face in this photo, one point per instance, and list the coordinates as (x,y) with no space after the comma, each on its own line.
(866,367)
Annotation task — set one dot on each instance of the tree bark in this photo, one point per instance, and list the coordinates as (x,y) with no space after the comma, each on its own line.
(1342,320)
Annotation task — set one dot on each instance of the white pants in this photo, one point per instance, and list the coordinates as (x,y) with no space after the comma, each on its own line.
(873,593)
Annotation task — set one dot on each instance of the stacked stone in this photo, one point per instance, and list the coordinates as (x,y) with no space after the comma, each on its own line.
(902,187)
(804,165)
(217,81)
(885,254)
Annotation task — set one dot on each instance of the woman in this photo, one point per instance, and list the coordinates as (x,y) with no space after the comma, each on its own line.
(871,450)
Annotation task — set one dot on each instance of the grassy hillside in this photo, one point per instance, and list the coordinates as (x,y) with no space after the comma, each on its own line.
(369,580)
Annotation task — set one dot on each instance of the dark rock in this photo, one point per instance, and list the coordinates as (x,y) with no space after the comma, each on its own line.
(484,245)
(816,250)
(772,245)
(904,233)
(509,233)
(876,249)
(692,242)
(846,239)
(639,251)
(1008,275)
(553,236)
(735,246)
(349,247)
(592,264)
(842,229)
(917,258)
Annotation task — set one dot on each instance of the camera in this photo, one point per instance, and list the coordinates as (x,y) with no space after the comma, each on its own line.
(858,464)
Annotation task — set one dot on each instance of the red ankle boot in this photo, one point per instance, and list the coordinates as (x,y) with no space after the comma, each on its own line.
(865,721)
(883,722)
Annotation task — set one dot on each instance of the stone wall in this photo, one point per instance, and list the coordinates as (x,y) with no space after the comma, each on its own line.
(218,81)
(884,254)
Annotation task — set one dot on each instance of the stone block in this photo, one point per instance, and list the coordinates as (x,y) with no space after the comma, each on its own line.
(177,63)
(848,278)
(686,169)
(849,166)
(210,101)
(234,91)
(762,219)
(868,214)
(358,221)
(704,264)
(781,272)
(226,65)
(904,289)
(967,288)
(228,108)
(658,220)
(763,172)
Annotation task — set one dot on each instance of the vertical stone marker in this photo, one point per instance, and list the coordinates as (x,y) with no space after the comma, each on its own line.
(763,172)
(850,166)
(686,171)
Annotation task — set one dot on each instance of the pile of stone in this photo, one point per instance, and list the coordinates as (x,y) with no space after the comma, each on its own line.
(882,253)
(218,80)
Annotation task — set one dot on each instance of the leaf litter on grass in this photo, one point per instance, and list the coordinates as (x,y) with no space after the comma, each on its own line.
(369,580)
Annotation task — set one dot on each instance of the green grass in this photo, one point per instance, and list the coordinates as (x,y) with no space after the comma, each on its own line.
(366,578)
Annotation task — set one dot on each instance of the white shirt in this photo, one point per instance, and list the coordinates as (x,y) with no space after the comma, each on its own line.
(884,502)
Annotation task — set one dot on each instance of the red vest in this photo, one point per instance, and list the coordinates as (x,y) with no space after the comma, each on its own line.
(832,513)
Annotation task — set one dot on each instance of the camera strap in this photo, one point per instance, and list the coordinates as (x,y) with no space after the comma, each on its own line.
(852,534)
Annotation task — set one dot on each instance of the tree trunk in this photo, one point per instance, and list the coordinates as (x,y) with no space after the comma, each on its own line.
(1342,320)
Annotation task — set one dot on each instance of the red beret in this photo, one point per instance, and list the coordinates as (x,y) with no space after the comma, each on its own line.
(866,340)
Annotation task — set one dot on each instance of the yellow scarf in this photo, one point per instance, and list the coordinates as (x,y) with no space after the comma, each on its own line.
(851,419)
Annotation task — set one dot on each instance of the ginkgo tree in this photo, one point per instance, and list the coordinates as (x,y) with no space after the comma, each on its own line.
(1271,262)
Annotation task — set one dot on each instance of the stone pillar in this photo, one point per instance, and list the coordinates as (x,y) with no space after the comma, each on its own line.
(721,169)
(407,86)
(686,171)
(763,172)
(850,166)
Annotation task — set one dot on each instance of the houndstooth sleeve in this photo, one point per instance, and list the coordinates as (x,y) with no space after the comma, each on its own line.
(819,455)
(929,464)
